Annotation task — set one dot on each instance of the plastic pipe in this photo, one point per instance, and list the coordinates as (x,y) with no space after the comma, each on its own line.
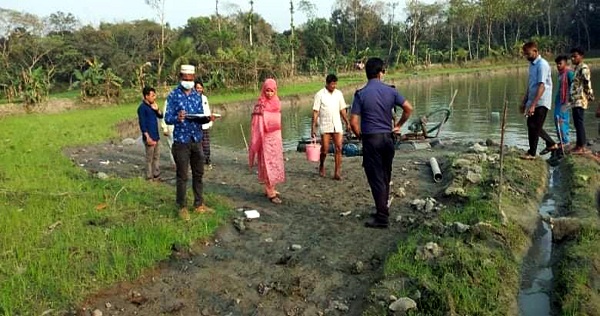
(435,169)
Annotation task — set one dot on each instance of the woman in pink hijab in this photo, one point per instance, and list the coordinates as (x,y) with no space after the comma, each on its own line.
(266,147)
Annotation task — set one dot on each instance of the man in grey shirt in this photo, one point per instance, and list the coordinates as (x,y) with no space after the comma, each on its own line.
(537,101)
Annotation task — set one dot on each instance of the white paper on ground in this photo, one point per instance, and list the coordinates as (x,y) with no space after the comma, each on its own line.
(252,214)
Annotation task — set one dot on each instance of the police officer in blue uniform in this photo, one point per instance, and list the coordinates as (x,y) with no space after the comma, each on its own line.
(371,120)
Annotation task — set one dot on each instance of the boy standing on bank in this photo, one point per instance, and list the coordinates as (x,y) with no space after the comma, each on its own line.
(562,116)
(580,96)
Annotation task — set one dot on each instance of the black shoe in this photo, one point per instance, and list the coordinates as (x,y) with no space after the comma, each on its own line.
(373,223)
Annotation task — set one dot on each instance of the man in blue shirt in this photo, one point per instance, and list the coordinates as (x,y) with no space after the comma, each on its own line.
(182,102)
(372,122)
(148,115)
(537,101)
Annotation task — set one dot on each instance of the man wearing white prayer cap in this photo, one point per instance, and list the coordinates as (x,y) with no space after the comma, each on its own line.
(167,128)
(187,139)
(188,70)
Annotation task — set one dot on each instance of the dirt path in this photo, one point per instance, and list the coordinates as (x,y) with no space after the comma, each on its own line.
(255,271)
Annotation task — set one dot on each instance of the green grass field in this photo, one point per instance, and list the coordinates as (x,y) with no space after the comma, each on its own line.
(65,234)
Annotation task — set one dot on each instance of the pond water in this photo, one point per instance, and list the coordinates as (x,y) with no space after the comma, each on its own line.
(472,119)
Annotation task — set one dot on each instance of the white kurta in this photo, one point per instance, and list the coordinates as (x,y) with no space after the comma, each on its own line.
(206,109)
(329,105)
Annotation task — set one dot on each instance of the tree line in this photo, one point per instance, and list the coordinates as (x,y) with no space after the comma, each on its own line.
(240,48)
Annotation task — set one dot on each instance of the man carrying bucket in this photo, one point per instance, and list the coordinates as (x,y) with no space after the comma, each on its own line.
(329,110)
(371,121)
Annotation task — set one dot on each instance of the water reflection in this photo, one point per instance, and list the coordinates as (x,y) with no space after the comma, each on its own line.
(472,117)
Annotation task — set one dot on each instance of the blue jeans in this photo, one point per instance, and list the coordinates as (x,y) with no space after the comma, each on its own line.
(562,121)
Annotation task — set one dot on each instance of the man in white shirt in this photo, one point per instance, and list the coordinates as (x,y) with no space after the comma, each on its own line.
(329,110)
(168,132)
(199,86)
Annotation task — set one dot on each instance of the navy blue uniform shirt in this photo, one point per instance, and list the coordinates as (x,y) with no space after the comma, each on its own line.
(375,103)
(148,119)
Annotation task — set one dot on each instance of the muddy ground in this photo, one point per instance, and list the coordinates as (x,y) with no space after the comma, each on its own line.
(256,271)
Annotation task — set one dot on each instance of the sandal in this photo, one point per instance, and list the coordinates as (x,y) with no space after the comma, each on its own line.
(527,157)
(549,149)
(580,151)
(275,200)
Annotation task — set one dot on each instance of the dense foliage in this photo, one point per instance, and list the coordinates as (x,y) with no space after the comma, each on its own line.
(241,48)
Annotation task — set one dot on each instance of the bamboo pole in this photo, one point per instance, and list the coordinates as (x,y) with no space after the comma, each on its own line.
(244,136)
(500,186)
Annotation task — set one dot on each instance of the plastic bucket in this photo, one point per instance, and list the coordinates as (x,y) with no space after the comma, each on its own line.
(313,151)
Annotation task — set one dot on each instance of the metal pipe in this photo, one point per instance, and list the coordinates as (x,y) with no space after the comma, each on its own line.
(435,169)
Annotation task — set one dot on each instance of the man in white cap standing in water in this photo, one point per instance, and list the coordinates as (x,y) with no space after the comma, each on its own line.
(187,139)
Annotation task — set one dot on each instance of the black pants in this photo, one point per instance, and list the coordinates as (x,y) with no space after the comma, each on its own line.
(187,155)
(578,113)
(535,130)
(378,155)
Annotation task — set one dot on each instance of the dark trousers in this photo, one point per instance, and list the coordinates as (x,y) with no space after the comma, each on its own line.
(378,155)
(206,145)
(578,113)
(187,155)
(535,130)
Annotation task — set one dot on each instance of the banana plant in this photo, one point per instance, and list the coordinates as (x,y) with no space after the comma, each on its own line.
(96,82)
(35,86)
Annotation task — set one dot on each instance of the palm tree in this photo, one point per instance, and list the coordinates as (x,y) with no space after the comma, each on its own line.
(180,52)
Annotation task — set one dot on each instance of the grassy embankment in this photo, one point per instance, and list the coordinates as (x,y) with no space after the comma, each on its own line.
(577,272)
(64,234)
(309,85)
(478,271)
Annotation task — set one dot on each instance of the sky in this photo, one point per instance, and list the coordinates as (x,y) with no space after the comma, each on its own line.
(276,12)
